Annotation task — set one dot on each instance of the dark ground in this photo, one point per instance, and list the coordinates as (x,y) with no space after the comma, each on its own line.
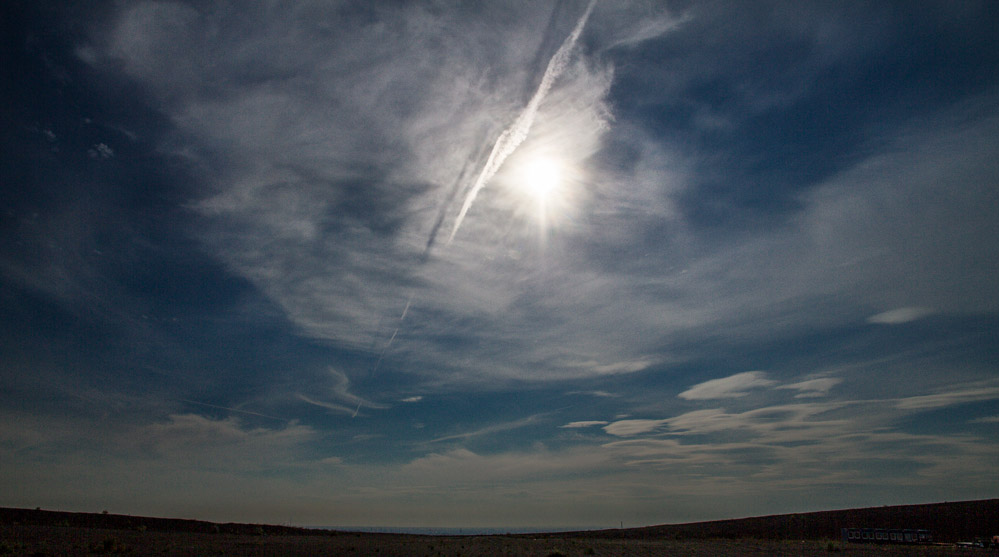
(38,532)
(949,522)
(62,540)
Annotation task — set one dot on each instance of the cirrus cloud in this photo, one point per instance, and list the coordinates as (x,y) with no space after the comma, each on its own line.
(734,386)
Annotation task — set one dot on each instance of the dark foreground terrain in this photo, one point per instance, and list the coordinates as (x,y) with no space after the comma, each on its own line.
(38,532)
(56,540)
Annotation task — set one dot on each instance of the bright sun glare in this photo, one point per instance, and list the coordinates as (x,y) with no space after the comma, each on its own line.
(541,176)
(542,184)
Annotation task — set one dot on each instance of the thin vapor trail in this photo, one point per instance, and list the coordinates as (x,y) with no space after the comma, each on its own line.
(385,350)
(512,137)
(233,410)
(388,344)
(455,189)
(505,145)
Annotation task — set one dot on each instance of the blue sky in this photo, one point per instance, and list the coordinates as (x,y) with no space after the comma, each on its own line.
(521,264)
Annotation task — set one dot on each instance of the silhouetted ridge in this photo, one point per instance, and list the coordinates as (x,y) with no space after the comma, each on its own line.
(949,522)
(38,517)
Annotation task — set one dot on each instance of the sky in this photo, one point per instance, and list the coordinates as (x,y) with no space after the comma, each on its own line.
(498,264)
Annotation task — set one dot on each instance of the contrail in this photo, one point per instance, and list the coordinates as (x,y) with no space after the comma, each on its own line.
(381,356)
(505,145)
(512,137)
(455,189)
(233,409)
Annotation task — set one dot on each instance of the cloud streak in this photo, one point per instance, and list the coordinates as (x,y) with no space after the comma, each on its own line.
(734,386)
(900,315)
(811,388)
(583,424)
(489,430)
(512,137)
(340,390)
(973,393)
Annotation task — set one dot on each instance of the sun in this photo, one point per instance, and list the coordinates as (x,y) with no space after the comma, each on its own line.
(540,177)
(542,185)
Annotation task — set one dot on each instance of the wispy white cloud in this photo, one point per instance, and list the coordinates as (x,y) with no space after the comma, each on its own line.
(491,429)
(734,386)
(186,442)
(806,445)
(230,409)
(349,403)
(512,137)
(807,467)
(298,150)
(601,394)
(194,433)
(297,209)
(787,422)
(625,428)
(623,367)
(100,151)
(900,315)
(811,388)
(582,424)
(986,420)
(863,222)
(791,452)
(970,393)
(461,466)
(327,405)
(628,24)
(299,119)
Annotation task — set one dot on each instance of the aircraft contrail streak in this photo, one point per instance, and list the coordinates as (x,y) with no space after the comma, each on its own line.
(381,356)
(512,137)
(385,350)
(233,409)
(505,145)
